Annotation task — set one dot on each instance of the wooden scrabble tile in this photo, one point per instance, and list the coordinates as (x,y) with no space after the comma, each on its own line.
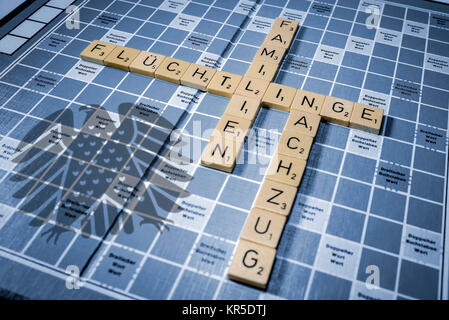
(278,96)
(270,53)
(243,107)
(287,25)
(221,153)
(97,51)
(231,126)
(279,38)
(286,169)
(146,63)
(262,70)
(121,57)
(252,264)
(251,87)
(294,144)
(337,110)
(263,227)
(366,118)
(308,101)
(303,122)
(197,77)
(171,70)
(276,197)
(224,83)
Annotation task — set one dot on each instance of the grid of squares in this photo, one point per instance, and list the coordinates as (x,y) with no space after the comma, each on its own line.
(325,219)
(35,22)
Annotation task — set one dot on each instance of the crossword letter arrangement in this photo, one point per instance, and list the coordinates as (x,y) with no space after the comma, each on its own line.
(256,249)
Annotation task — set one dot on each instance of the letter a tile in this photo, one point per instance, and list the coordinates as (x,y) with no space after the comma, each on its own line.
(303,122)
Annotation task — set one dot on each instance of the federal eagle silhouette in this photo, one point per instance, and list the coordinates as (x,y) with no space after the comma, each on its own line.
(85,162)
